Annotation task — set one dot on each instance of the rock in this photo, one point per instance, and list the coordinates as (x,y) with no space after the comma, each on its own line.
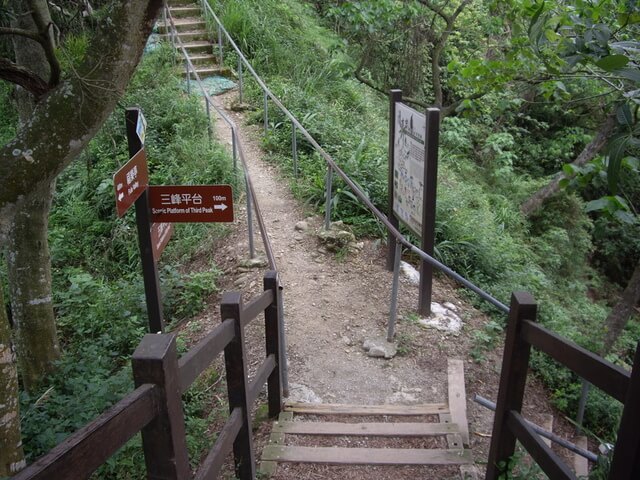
(302,393)
(380,348)
(451,306)
(410,273)
(442,319)
(346,340)
(239,282)
(336,237)
(302,226)
(257,262)
(298,238)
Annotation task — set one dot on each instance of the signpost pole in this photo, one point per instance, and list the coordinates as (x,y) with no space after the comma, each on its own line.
(429,208)
(143,221)
(394,97)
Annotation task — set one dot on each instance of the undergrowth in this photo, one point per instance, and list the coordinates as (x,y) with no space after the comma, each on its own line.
(492,157)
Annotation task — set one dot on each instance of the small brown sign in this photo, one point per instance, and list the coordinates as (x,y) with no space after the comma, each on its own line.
(191,203)
(160,236)
(130,181)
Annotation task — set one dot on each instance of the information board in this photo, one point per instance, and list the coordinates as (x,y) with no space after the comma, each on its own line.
(408,166)
(130,181)
(191,203)
(160,236)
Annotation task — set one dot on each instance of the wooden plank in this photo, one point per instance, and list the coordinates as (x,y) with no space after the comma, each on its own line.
(273,322)
(454,440)
(200,356)
(612,379)
(365,429)
(256,307)
(365,456)
(267,469)
(218,453)
(88,448)
(285,417)
(344,409)
(458,398)
(581,464)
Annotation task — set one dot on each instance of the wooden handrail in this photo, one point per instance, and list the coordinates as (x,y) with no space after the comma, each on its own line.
(256,307)
(261,377)
(218,453)
(611,378)
(199,357)
(84,451)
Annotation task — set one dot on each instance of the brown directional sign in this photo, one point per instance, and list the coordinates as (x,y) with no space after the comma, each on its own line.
(160,236)
(191,203)
(130,181)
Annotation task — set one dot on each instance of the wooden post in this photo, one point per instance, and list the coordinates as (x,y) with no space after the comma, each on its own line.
(432,140)
(272,337)
(626,455)
(143,222)
(513,377)
(395,96)
(164,439)
(238,386)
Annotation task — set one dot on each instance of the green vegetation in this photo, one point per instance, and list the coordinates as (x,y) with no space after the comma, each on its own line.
(495,153)
(99,297)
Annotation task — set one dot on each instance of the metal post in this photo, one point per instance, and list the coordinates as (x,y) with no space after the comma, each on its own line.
(252,252)
(234,148)
(327,208)
(395,96)
(393,310)
(429,208)
(240,81)
(220,58)
(294,149)
(582,405)
(150,274)
(209,127)
(266,113)
(283,344)
(186,64)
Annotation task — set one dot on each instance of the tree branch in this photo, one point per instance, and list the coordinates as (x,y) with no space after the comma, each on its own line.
(24,77)
(20,33)
(535,201)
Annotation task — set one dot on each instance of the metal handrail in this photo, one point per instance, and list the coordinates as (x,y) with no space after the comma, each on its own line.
(354,187)
(234,133)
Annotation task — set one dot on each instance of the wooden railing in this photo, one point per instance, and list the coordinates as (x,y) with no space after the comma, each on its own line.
(509,425)
(155,407)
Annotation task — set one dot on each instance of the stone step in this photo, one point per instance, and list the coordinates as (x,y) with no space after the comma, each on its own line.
(199,47)
(211,71)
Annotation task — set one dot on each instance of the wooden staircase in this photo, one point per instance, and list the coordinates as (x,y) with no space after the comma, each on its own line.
(192,31)
(375,435)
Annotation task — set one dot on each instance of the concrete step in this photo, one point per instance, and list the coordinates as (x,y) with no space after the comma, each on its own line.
(185,11)
(199,47)
(186,24)
(204,59)
(211,71)
(188,37)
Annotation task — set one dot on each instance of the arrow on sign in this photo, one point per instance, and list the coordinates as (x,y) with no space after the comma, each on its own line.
(220,206)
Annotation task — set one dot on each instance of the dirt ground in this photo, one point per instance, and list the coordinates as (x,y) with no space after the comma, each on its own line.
(333,303)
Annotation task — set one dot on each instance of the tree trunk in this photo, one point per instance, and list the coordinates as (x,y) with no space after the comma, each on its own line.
(535,201)
(11,454)
(30,288)
(28,247)
(623,310)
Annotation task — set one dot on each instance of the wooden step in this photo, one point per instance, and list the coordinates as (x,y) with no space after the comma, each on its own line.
(389,429)
(366,456)
(345,409)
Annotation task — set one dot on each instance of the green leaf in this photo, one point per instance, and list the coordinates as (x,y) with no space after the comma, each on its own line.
(597,205)
(624,115)
(611,63)
(632,74)
(616,149)
(625,217)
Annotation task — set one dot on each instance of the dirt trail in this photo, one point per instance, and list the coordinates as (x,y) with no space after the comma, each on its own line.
(332,305)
